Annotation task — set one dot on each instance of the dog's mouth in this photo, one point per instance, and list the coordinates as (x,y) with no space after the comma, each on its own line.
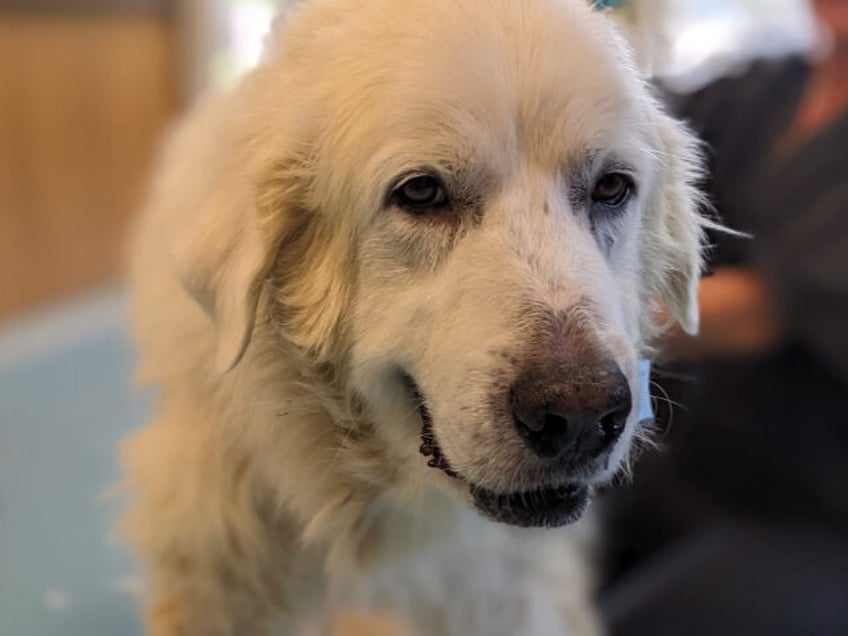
(546,507)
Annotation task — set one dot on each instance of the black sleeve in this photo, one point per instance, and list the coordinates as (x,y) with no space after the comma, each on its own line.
(739,119)
(794,204)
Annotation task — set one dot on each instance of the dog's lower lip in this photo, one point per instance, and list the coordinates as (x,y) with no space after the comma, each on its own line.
(547,507)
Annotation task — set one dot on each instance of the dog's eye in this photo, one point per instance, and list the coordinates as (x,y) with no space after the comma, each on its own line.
(612,190)
(421,193)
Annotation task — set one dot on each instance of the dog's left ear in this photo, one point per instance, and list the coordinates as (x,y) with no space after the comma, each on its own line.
(675,224)
(222,259)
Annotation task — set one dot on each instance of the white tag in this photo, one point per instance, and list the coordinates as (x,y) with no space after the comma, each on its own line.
(646,405)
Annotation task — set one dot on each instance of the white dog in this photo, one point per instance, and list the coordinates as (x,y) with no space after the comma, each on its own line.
(393,289)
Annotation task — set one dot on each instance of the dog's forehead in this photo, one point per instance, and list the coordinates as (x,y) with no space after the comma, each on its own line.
(480,84)
(529,74)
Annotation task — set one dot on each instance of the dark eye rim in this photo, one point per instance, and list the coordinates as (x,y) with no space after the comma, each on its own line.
(400,199)
(622,197)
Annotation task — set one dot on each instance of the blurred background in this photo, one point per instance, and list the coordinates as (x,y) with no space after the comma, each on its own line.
(87,90)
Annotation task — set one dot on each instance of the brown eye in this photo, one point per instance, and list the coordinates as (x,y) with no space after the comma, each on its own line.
(612,190)
(421,193)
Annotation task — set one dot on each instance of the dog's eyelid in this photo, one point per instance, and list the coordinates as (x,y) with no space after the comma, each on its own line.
(410,192)
(618,166)
(405,177)
(627,178)
(596,166)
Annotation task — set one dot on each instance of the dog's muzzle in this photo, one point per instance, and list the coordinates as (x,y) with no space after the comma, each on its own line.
(542,507)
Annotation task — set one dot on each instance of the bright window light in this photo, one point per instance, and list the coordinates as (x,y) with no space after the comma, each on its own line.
(243,26)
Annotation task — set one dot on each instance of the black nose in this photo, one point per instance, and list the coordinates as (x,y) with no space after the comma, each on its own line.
(571,414)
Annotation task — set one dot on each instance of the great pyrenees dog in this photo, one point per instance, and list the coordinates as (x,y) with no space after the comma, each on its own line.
(392,290)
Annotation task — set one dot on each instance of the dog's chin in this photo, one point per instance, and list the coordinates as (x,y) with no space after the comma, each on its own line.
(542,507)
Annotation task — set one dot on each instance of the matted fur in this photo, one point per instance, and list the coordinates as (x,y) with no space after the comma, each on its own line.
(278,294)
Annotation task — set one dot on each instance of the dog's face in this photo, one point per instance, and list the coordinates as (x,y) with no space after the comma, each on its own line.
(466,210)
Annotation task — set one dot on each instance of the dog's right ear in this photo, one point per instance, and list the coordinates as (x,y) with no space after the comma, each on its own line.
(675,247)
(222,259)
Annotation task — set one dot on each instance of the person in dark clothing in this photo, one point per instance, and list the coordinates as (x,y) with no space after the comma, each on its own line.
(742,526)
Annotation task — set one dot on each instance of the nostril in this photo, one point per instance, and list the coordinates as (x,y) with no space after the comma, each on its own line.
(554,423)
(612,425)
(549,434)
(541,423)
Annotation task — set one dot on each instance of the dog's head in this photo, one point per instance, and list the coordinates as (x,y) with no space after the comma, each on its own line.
(465,208)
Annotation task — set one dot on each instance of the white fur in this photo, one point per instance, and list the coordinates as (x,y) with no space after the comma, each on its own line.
(280,488)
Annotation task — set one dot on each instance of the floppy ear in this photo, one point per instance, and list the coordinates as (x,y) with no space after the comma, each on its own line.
(676,225)
(222,259)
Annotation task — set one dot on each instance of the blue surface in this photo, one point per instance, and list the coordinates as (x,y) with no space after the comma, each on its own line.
(63,412)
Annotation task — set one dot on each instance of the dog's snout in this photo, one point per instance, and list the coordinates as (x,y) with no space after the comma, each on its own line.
(574,414)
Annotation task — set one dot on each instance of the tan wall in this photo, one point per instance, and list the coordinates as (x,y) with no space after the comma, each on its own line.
(83,102)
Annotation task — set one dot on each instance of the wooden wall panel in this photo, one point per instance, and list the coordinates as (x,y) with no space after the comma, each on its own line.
(83,104)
